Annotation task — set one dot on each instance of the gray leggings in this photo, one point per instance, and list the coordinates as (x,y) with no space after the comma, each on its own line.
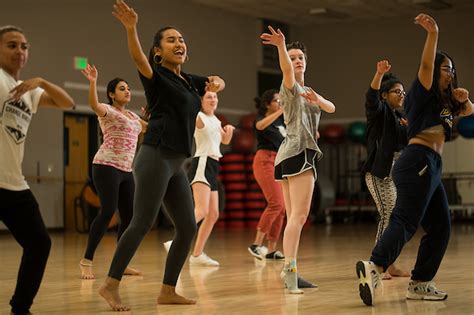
(159,177)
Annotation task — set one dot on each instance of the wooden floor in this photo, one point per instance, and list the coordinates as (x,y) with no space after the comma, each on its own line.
(242,284)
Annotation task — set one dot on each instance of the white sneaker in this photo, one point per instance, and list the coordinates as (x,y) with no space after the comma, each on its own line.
(202,260)
(369,280)
(167,245)
(425,291)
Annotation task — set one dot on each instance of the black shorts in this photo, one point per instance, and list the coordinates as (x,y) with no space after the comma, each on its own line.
(296,165)
(204,169)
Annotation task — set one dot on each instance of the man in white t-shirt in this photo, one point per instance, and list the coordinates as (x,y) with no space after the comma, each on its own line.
(19,210)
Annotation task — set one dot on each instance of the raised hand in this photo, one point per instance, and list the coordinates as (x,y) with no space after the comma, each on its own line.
(310,96)
(126,15)
(90,72)
(275,38)
(461,94)
(383,66)
(427,22)
(25,86)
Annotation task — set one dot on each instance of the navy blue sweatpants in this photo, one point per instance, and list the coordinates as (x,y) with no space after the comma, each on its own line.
(421,200)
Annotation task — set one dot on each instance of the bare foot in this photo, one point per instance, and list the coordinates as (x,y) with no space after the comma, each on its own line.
(168,295)
(110,292)
(395,272)
(386,276)
(132,272)
(86,269)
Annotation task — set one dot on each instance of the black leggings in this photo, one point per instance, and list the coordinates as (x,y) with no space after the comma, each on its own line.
(159,176)
(19,211)
(115,189)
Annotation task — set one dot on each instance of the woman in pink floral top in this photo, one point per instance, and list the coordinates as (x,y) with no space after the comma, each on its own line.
(112,165)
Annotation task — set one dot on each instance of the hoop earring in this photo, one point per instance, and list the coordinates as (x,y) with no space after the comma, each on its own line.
(157,62)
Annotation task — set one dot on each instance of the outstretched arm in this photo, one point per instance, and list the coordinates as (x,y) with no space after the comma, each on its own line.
(129,18)
(276,38)
(91,74)
(425,73)
(268,120)
(53,95)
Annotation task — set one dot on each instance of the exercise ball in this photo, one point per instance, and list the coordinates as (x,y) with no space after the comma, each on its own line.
(357,132)
(333,134)
(243,141)
(466,127)
(247,121)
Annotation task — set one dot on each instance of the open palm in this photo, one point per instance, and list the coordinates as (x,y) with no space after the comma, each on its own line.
(125,14)
(90,73)
(275,38)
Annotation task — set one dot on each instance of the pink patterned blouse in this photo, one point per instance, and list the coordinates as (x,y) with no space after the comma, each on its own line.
(121,132)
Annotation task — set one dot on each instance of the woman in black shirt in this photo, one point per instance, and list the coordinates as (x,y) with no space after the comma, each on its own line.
(431,104)
(270,131)
(174,100)
(386,137)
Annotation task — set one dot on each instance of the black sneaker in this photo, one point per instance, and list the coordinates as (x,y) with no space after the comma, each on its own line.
(255,251)
(277,255)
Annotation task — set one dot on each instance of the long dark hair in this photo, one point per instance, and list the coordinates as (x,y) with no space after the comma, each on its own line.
(263,101)
(446,97)
(111,86)
(156,61)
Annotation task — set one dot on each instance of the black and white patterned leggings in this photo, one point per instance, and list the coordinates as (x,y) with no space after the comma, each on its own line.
(385,195)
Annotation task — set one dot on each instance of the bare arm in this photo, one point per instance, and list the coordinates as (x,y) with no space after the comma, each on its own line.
(425,72)
(129,18)
(383,67)
(91,74)
(268,120)
(276,38)
(144,125)
(53,95)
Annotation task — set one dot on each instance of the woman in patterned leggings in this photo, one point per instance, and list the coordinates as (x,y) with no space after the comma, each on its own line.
(112,165)
(386,137)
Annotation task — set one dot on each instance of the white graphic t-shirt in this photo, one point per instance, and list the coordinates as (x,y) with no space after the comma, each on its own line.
(15,117)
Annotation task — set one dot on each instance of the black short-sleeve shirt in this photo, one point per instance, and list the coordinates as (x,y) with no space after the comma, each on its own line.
(271,137)
(424,110)
(173,104)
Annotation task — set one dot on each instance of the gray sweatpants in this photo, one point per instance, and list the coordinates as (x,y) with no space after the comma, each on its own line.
(159,177)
